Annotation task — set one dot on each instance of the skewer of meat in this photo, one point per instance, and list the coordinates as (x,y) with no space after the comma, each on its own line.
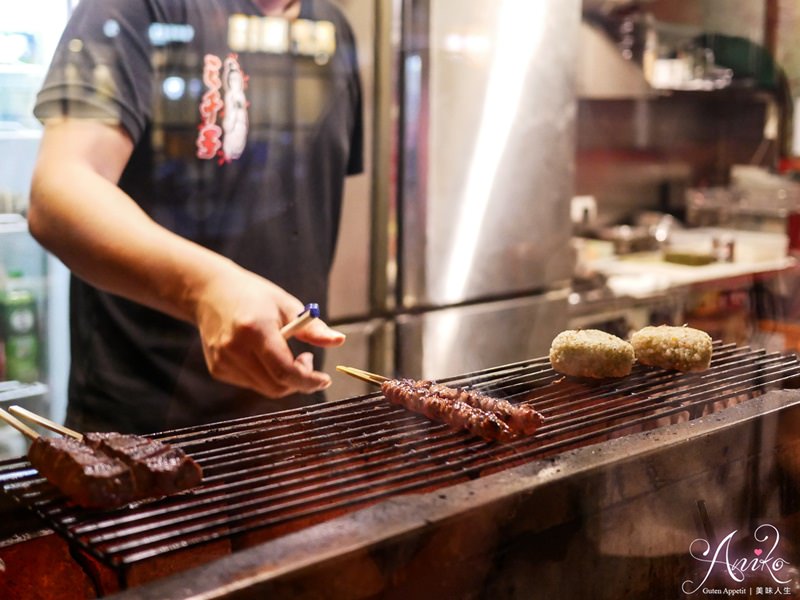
(521,419)
(158,469)
(89,480)
(424,400)
(426,397)
(105,470)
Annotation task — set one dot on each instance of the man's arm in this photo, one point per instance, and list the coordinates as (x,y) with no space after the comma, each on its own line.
(80,215)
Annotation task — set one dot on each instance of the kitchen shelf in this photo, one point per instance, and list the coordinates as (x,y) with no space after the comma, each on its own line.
(29,395)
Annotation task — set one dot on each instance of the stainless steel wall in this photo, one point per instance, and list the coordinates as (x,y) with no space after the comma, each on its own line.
(487,148)
(471,128)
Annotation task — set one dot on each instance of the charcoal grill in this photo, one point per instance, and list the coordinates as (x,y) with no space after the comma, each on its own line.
(357,498)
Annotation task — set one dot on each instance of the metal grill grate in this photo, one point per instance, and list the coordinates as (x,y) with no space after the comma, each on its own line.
(282,472)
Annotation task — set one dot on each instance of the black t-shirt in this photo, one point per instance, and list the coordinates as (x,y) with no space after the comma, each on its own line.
(244,127)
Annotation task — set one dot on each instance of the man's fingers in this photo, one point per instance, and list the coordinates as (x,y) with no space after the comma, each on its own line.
(281,367)
(247,371)
(305,361)
(317,333)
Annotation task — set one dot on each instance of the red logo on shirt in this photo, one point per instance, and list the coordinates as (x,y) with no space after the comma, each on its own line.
(225,96)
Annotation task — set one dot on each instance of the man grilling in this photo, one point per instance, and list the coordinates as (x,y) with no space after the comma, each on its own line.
(190,176)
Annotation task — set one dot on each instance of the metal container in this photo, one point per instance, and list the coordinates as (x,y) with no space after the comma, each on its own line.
(629,238)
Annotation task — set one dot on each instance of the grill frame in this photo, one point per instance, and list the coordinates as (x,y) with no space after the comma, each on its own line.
(564,401)
(534,500)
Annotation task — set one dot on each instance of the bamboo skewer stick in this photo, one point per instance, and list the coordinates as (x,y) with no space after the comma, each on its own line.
(17,424)
(310,312)
(24,413)
(362,375)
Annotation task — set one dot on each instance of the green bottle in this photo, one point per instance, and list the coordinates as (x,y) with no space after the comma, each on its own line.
(20,329)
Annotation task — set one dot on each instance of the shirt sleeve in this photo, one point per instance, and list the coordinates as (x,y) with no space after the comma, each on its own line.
(101,68)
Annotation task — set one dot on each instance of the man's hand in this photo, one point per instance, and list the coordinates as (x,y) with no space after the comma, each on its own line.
(239,317)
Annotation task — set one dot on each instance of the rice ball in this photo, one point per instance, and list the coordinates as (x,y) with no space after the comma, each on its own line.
(591,353)
(677,348)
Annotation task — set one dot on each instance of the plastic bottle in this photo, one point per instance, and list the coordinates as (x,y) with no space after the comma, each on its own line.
(20,328)
(3,376)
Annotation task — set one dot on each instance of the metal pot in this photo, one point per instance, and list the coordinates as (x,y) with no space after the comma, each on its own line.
(629,238)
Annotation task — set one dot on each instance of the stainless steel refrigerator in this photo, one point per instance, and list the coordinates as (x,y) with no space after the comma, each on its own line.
(28,35)
(454,252)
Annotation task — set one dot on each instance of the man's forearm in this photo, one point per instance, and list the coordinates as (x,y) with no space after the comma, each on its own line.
(107,240)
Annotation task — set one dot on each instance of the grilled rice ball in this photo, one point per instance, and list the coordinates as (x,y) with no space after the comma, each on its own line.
(591,353)
(677,348)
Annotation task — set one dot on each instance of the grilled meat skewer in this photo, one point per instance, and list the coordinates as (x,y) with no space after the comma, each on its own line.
(89,478)
(491,418)
(107,470)
(422,398)
(158,469)
(520,419)
(104,470)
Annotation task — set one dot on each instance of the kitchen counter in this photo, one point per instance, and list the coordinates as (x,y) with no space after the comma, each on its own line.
(645,276)
(731,300)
